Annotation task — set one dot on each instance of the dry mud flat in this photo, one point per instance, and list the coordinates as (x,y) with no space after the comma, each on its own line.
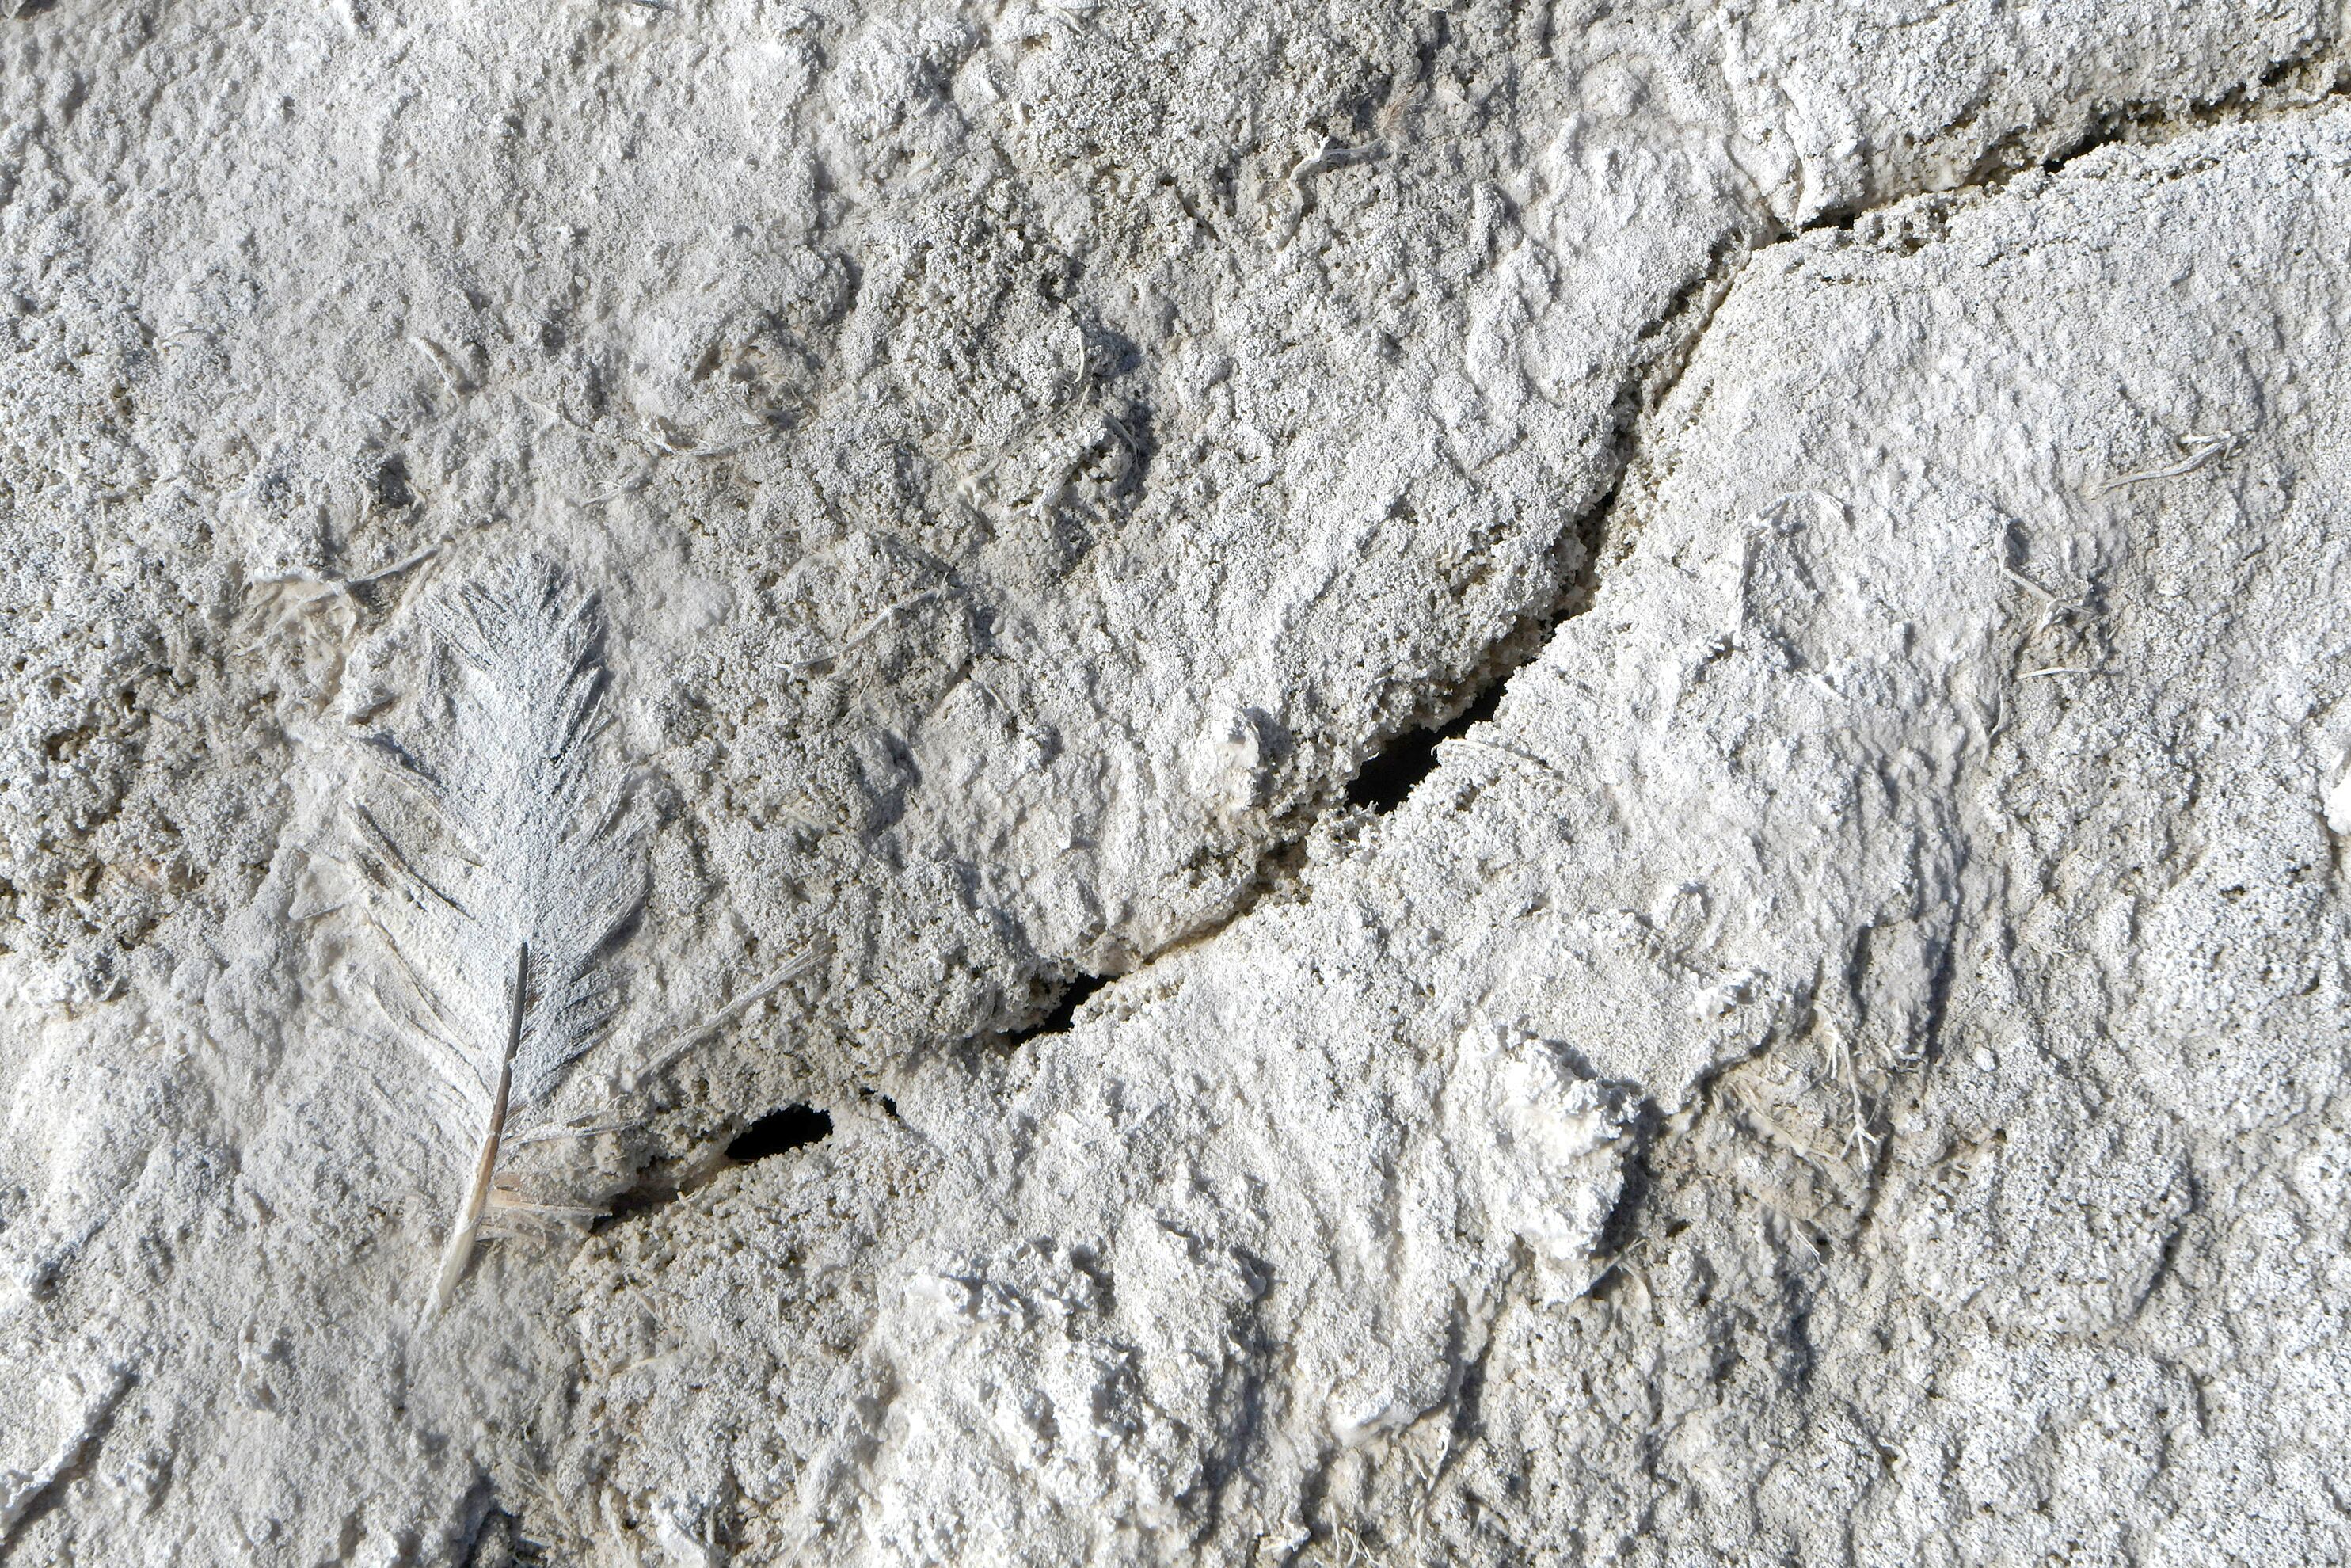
(826,526)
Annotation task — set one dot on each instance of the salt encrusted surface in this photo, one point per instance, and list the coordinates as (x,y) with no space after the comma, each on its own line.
(1927,825)
(1842,1066)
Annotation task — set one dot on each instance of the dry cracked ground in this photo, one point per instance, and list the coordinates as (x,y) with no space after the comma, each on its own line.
(1322,784)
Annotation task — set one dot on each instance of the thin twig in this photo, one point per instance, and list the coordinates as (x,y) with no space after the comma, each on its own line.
(872,624)
(2022,580)
(395,569)
(500,1203)
(677,1045)
(626,487)
(442,361)
(569,1130)
(2210,447)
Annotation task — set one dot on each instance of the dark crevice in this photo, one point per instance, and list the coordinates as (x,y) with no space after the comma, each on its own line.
(1384,781)
(779,1132)
(1601,536)
(1585,549)
(1666,349)
(658,1181)
(1388,776)
(2291,86)
(1598,538)
(1064,1010)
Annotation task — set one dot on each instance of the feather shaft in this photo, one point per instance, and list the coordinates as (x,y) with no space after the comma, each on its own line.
(459,1251)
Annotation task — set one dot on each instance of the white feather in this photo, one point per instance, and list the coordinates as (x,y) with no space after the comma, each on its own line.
(509,866)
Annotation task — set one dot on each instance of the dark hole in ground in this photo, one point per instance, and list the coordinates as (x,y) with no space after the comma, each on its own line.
(1065,1011)
(390,486)
(1385,781)
(779,1132)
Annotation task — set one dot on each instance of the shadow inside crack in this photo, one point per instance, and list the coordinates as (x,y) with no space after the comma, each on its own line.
(1065,1010)
(1385,781)
(779,1132)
